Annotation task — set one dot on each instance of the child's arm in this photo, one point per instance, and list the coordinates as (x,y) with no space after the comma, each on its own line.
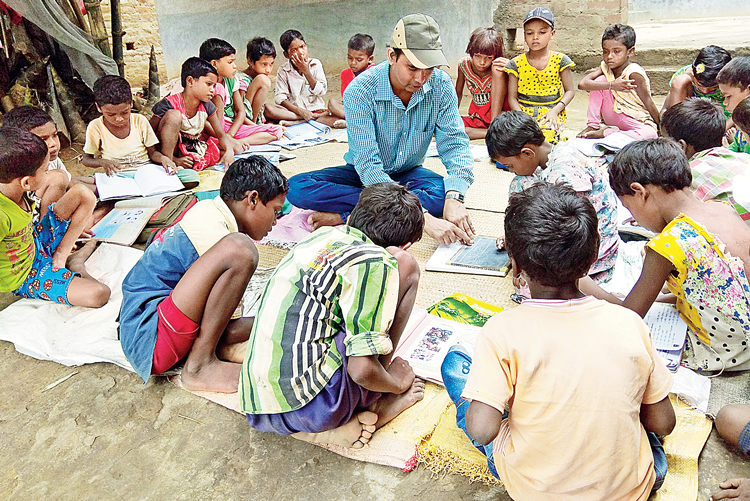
(656,269)
(239,113)
(680,89)
(460,81)
(550,118)
(645,95)
(483,422)
(111,167)
(499,88)
(513,92)
(587,83)
(371,375)
(226,143)
(163,160)
(658,418)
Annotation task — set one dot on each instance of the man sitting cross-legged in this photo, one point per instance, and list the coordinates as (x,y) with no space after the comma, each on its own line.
(318,363)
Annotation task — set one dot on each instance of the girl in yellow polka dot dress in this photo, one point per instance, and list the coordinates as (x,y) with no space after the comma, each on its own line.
(539,81)
(701,252)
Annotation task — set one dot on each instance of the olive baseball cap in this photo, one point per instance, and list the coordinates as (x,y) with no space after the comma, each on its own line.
(542,14)
(418,36)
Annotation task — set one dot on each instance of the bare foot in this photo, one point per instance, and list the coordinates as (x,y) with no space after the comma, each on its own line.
(234,352)
(287,123)
(339,124)
(355,434)
(102,209)
(389,405)
(592,133)
(318,219)
(218,376)
(185,162)
(76,262)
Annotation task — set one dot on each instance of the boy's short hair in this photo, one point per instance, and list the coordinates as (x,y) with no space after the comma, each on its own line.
(389,214)
(736,73)
(196,67)
(622,33)
(552,233)
(21,155)
(509,132)
(215,48)
(253,173)
(112,89)
(698,121)
(660,162)
(363,43)
(485,41)
(708,63)
(26,118)
(741,115)
(285,40)
(259,47)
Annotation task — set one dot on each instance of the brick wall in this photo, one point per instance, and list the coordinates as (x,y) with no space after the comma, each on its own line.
(578,23)
(138,19)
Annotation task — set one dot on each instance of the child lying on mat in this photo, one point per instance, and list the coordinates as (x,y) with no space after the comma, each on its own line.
(182,298)
(585,388)
(318,363)
(700,252)
(36,261)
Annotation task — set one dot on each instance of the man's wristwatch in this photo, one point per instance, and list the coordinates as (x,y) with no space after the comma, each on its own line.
(454,195)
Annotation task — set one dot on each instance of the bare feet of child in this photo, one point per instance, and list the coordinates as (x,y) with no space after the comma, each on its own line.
(389,405)
(318,219)
(339,124)
(287,123)
(592,133)
(355,434)
(218,376)
(76,261)
(232,352)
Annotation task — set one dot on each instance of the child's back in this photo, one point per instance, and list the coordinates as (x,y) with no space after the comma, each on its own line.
(577,372)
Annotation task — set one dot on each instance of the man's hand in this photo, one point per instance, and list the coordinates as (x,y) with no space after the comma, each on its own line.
(444,231)
(621,84)
(455,212)
(402,373)
(111,167)
(734,488)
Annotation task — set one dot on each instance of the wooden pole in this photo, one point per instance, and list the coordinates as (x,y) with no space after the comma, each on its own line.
(153,94)
(73,120)
(117,36)
(79,15)
(98,29)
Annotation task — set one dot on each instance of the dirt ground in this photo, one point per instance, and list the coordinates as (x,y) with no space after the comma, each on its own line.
(102,434)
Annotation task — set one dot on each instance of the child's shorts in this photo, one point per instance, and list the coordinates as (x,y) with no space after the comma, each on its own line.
(744,440)
(175,334)
(44,281)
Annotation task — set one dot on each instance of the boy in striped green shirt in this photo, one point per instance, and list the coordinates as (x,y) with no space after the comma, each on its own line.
(318,363)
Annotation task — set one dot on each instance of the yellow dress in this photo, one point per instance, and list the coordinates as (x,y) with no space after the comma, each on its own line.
(539,91)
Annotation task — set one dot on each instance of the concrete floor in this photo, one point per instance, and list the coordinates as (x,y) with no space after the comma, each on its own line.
(102,434)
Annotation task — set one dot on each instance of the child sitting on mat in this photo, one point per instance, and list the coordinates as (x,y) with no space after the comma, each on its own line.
(700,251)
(36,260)
(620,91)
(565,393)
(516,140)
(318,364)
(359,58)
(182,299)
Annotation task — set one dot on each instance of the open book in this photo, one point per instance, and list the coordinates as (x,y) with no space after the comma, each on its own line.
(309,134)
(627,224)
(481,258)
(668,332)
(600,146)
(125,222)
(150,179)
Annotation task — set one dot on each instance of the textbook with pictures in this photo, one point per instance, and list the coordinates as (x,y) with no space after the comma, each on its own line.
(126,220)
(150,179)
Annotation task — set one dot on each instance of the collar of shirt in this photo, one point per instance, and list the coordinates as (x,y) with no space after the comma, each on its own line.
(288,66)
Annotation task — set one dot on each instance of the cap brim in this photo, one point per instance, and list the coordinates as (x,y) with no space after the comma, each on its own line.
(551,25)
(426,58)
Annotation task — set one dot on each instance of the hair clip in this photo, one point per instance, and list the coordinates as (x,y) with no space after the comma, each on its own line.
(700,68)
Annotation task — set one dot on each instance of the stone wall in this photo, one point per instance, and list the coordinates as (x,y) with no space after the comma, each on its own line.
(578,25)
(138,19)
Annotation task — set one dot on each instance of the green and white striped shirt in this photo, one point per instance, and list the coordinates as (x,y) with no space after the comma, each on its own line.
(335,280)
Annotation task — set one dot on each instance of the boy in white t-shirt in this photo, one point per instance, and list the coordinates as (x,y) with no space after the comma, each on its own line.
(580,377)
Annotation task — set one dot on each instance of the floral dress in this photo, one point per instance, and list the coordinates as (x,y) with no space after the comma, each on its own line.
(712,295)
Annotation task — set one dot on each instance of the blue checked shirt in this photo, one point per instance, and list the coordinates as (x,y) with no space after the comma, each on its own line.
(385,137)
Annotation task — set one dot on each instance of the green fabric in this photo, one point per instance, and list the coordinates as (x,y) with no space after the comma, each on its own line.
(715,96)
(17,243)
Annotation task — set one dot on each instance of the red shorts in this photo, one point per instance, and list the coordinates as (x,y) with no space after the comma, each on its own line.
(175,335)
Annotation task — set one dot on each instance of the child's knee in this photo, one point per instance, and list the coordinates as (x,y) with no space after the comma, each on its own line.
(240,251)
(84,196)
(170,120)
(731,420)
(100,295)
(263,82)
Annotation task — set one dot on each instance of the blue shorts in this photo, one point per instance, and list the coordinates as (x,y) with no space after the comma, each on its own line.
(744,441)
(44,281)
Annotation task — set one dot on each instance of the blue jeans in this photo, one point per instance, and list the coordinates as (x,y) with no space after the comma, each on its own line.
(337,189)
(455,371)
